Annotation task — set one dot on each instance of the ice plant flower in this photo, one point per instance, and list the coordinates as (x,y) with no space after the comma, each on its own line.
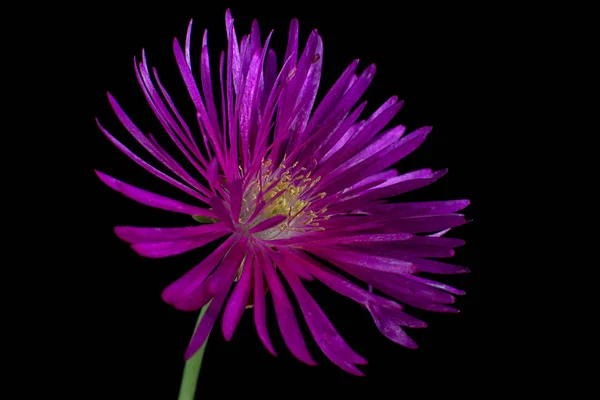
(294,192)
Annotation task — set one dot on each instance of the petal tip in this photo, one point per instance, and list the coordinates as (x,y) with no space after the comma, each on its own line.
(121,232)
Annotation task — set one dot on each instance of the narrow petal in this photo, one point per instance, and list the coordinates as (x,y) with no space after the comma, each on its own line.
(292,336)
(152,199)
(174,247)
(449,243)
(405,248)
(363,142)
(346,288)
(133,234)
(205,326)
(371,238)
(435,284)
(436,267)
(260,310)
(392,331)
(403,187)
(326,336)
(394,313)
(223,276)
(268,223)
(380,160)
(400,287)
(235,196)
(154,171)
(181,294)
(365,260)
(238,300)
(222,212)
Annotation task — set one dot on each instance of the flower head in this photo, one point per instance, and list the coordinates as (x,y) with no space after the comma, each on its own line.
(295,192)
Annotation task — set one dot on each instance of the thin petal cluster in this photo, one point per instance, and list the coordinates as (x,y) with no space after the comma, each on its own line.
(294,192)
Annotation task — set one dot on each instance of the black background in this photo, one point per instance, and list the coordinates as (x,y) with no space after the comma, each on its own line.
(132,343)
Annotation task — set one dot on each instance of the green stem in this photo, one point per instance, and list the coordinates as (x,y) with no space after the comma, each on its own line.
(192,367)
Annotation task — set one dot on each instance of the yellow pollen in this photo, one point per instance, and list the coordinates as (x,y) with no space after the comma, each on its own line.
(285,193)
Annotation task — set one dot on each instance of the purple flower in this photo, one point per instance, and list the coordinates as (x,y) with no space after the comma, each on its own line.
(294,192)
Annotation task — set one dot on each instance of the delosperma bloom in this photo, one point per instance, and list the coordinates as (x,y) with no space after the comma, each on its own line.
(294,192)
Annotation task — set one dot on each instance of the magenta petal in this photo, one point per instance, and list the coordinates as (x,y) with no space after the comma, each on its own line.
(383,159)
(221,279)
(248,108)
(268,223)
(222,212)
(326,336)
(391,330)
(205,326)
(174,247)
(405,186)
(235,195)
(239,298)
(365,260)
(435,284)
(319,239)
(437,241)
(423,224)
(394,313)
(385,176)
(133,234)
(333,281)
(439,234)
(152,199)
(260,313)
(400,287)
(154,171)
(182,294)
(292,336)
(330,99)
(375,237)
(330,172)
(428,207)
(296,268)
(436,267)
(405,248)
(346,288)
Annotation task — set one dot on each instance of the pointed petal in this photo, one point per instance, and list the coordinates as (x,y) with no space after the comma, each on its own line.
(392,331)
(152,199)
(364,260)
(174,247)
(134,234)
(237,301)
(268,223)
(205,326)
(182,294)
(222,212)
(326,336)
(153,170)
(260,311)
(292,336)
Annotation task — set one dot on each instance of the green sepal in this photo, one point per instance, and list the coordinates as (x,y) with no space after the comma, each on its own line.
(204,220)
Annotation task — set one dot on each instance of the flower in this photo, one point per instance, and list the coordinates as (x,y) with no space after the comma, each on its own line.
(294,195)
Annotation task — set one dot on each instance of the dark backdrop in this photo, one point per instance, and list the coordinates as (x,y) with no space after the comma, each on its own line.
(131,343)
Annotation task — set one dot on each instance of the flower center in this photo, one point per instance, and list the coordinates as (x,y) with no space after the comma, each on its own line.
(284,191)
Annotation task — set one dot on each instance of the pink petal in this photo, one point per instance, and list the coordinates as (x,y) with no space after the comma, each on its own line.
(239,298)
(134,234)
(326,336)
(174,247)
(152,199)
(268,223)
(182,294)
(260,313)
(292,336)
